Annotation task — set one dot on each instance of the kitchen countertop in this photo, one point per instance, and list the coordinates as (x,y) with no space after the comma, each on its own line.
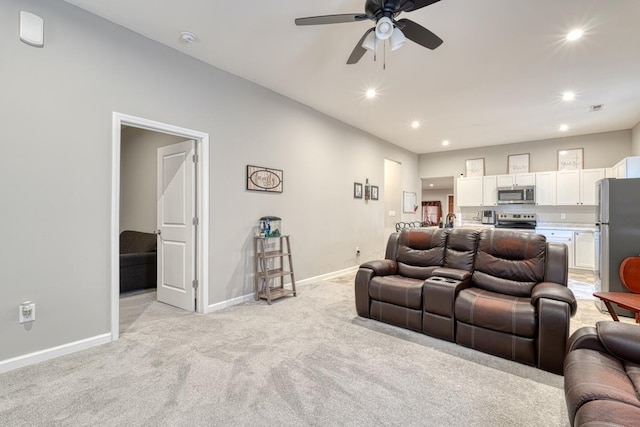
(567,226)
(558,225)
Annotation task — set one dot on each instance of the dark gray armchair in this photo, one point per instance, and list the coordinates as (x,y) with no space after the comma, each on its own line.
(138,260)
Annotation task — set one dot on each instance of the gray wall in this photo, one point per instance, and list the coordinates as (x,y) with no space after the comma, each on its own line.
(138,180)
(600,150)
(635,140)
(56,112)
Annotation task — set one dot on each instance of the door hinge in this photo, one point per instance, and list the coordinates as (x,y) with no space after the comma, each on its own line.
(195,283)
(196,221)
(195,158)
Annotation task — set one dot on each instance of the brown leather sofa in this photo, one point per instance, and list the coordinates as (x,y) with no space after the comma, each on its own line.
(602,375)
(497,291)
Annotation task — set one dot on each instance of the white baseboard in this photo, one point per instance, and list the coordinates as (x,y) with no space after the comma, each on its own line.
(326,276)
(52,353)
(249,297)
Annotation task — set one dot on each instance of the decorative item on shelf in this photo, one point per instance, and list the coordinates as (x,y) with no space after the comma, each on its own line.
(367,190)
(264,179)
(518,163)
(570,159)
(474,167)
(270,226)
(357,190)
(374,192)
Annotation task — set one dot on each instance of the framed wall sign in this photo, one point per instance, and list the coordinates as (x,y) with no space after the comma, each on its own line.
(474,167)
(357,190)
(518,163)
(374,192)
(264,179)
(570,159)
(409,202)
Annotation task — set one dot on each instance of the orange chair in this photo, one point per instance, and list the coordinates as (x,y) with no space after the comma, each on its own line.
(630,277)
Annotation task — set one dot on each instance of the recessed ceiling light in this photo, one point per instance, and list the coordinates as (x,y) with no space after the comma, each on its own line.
(575,34)
(568,96)
(564,128)
(415,124)
(445,142)
(371,93)
(430,185)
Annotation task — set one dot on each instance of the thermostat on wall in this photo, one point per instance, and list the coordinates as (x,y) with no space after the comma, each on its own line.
(31,29)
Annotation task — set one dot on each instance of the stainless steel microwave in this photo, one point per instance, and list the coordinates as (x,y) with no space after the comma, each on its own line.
(521,195)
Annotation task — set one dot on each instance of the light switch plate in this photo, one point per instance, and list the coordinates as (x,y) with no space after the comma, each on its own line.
(31,29)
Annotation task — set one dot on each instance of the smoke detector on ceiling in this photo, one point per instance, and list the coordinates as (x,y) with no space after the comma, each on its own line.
(187,37)
(597,107)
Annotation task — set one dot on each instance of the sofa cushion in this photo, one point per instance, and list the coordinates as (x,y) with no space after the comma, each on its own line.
(461,249)
(606,413)
(137,241)
(420,251)
(509,262)
(398,290)
(498,312)
(590,375)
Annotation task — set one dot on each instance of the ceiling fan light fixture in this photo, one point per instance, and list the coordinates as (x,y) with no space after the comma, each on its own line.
(370,42)
(397,39)
(384,28)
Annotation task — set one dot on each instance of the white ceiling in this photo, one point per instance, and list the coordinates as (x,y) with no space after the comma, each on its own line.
(496,79)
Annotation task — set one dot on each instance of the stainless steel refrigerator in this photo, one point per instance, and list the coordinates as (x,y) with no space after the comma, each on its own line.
(619,229)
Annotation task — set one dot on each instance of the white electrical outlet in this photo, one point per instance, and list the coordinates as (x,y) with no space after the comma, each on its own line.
(27,312)
(563,216)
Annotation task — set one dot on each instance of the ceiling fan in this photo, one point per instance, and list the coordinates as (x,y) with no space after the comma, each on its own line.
(383,12)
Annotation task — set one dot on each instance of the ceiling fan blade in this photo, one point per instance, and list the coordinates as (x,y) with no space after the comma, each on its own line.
(359,51)
(419,4)
(419,34)
(331,19)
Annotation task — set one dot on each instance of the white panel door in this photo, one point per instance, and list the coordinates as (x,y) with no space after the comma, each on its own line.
(176,229)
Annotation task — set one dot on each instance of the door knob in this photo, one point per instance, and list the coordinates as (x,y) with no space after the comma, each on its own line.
(158,232)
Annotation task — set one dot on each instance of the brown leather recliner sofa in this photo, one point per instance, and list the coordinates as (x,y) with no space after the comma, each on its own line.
(602,375)
(497,291)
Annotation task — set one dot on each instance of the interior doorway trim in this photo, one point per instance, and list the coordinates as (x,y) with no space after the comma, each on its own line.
(202,209)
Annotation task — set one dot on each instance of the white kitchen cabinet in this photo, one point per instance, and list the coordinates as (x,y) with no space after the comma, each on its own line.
(577,187)
(558,235)
(469,191)
(489,191)
(588,179)
(546,188)
(629,167)
(585,250)
(516,179)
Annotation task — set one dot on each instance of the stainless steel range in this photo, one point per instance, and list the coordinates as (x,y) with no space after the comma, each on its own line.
(522,221)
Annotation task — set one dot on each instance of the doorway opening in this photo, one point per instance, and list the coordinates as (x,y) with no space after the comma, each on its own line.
(201,208)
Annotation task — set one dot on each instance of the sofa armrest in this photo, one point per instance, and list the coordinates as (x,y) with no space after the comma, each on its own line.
(555,292)
(383,267)
(452,273)
(620,339)
(585,338)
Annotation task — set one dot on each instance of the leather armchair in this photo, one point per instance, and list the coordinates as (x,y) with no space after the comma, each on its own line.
(511,309)
(602,375)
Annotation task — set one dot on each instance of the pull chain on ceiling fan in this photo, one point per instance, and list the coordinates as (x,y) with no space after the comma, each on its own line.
(383,13)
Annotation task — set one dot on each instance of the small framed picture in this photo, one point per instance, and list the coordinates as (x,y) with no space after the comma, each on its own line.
(570,159)
(374,192)
(474,167)
(518,163)
(357,190)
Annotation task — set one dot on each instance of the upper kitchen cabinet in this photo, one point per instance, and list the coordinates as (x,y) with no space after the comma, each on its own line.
(629,167)
(577,187)
(516,179)
(469,191)
(490,192)
(546,188)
